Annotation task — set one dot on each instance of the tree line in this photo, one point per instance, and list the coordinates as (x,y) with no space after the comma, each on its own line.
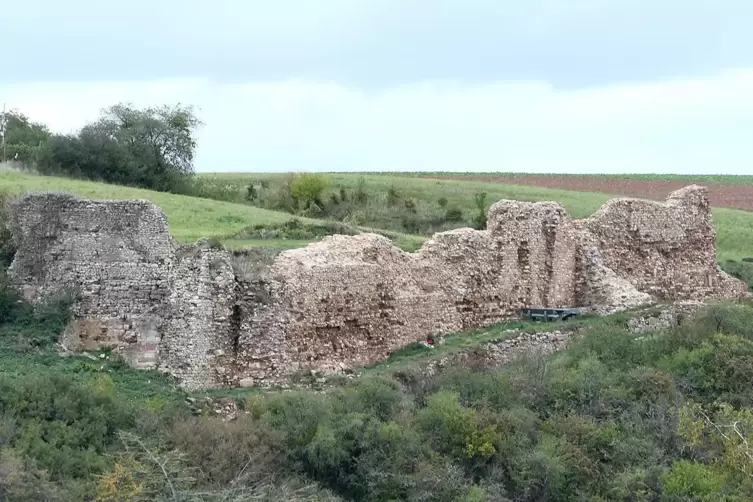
(151,147)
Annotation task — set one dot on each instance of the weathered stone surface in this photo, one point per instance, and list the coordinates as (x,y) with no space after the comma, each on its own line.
(667,250)
(664,318)
(201,323)
(348,300)
(116,254)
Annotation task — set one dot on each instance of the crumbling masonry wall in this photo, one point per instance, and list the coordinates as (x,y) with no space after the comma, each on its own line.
(348,300)
(115,254)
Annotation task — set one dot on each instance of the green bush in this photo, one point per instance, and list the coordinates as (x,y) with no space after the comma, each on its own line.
(7,246)
(691,479)
(742,270)
(453,214)
(65,427)
(307,189)
(479,221)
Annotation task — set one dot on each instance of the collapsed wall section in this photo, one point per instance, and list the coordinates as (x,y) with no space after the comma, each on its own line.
(351,300)
(116,255)
(663,249)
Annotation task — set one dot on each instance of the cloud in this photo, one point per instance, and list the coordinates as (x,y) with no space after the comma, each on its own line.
(375,44)
(688,125)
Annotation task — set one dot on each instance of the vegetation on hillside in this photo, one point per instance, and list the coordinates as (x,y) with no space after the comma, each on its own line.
(149,148)
(664,417)
(423,206)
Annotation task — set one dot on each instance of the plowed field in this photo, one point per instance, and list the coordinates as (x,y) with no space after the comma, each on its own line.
(720,195)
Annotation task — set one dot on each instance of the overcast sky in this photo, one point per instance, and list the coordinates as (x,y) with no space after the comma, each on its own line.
(457,85)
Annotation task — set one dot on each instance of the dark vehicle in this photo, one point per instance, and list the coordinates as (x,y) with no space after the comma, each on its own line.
(549,314)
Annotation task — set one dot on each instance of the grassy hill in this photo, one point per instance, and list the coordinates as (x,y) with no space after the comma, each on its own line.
(734,227)
(189,218)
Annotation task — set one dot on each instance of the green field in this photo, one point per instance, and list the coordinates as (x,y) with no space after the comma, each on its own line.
(191,218)
(728,179)
(734,227)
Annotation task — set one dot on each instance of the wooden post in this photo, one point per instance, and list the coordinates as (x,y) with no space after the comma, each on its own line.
(3,122)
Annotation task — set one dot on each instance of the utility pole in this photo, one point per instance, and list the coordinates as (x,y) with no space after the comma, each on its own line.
(3,123)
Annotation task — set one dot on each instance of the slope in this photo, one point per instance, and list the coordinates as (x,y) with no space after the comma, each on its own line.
(190,218)
(429,199)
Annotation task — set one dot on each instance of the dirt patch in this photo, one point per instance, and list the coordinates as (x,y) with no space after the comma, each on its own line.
(720,195)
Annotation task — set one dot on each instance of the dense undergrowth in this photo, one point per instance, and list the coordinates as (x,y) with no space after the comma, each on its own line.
(392,207)
(664,417)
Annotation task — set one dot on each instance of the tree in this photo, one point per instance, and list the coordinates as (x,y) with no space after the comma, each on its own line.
(154,146)
(479,221)
(150,148)
(23,138)
(307,189)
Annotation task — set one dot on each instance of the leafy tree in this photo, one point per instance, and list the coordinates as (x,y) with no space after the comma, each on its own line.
(307,189)
(23,138)
(156,144)
(480,219)
(151,148)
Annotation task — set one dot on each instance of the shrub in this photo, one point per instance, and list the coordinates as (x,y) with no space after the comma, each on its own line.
(453,214)
(307,189)
(742,270)
(7,246)
(64,426)
(362,195)
(692,479)
(393,196)
(225,453)
(410,206)
(251,193)
(479,221)
(411,224)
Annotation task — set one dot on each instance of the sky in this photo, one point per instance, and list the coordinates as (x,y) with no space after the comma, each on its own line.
(608,86)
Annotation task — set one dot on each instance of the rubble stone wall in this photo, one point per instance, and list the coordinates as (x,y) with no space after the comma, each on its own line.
(199,338)
(115,254)
(348,300)
(666,249)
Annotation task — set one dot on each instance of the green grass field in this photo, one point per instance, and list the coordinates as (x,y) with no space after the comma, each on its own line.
(729,179)
(191,218)
(734,227)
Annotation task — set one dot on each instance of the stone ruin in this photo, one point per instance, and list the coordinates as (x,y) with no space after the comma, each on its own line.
(347,301)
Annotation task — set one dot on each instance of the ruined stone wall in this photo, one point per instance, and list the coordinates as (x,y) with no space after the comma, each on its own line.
(349,300)
(664,249)
(116,255)
(201,329)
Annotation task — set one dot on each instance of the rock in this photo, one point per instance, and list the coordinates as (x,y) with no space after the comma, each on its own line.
(246,382)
